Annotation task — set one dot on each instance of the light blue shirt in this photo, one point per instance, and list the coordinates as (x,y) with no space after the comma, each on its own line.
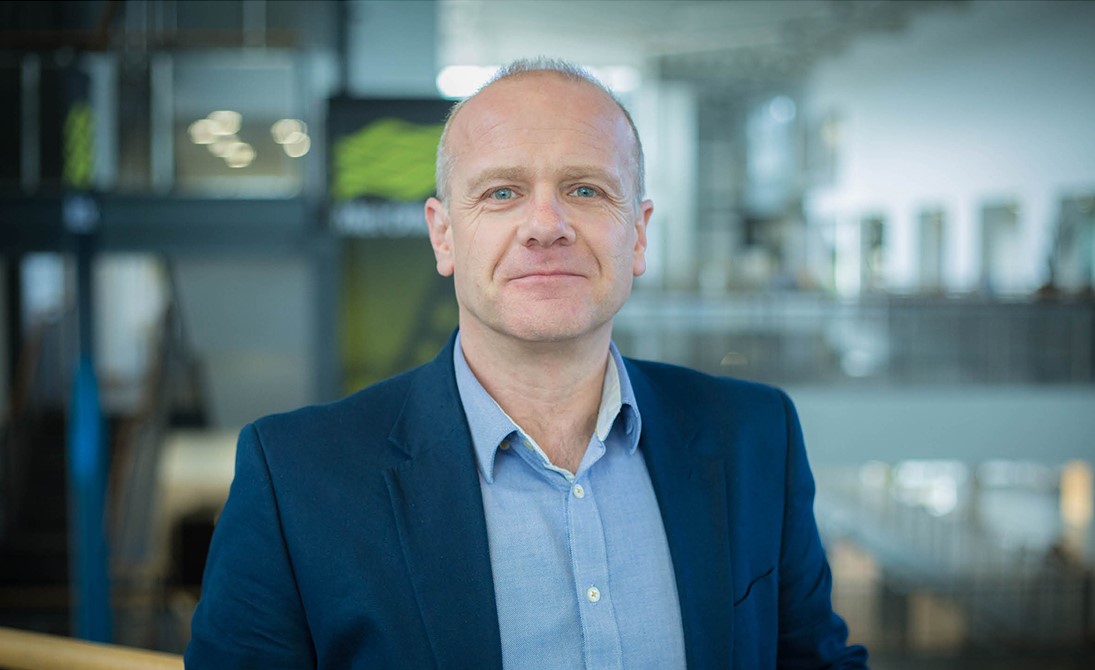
(582,571)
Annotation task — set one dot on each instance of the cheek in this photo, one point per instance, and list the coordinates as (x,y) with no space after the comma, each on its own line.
(476,253)
(623,240)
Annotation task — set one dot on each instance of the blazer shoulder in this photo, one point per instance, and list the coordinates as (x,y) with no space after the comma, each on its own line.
(694,386)
(723,414)
(359,423)
(383,399)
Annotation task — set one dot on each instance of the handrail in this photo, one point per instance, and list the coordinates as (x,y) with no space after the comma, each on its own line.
(23,650)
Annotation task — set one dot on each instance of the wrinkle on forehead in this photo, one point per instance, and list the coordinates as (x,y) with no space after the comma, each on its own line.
(506,103)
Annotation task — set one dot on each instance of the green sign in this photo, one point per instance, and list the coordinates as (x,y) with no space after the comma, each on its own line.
(389,158)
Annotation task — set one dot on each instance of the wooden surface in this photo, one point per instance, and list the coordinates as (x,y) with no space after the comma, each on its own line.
(22,650)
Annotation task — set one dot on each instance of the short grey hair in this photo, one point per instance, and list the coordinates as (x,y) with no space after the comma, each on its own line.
(524,66)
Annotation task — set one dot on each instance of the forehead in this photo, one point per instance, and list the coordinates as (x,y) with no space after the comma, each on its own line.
(538,117)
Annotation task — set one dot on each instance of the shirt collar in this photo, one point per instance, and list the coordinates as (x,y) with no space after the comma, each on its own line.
(490,425)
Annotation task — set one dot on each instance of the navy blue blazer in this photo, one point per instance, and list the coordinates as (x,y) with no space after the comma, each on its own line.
(354,536)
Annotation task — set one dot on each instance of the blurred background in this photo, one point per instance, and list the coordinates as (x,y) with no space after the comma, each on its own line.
(211,211)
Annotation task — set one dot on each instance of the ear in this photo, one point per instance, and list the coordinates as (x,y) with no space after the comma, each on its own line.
(437,218)
(646,208)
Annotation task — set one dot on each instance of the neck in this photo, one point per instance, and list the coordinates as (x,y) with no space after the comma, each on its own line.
(551,389)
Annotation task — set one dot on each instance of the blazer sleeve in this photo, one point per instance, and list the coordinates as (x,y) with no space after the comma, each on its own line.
(811,634)
(250,614)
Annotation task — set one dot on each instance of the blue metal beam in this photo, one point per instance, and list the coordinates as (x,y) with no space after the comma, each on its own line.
(92,615)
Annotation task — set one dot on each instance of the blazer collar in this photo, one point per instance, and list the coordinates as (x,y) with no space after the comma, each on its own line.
(691,489)
(438,510)
(437,503)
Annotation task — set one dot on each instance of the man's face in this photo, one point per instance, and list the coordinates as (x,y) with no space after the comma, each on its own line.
(542,232)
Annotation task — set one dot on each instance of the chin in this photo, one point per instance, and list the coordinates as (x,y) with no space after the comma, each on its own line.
(540,321)
(551,328)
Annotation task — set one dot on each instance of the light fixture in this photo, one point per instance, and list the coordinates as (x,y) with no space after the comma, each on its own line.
(283,129)
(618,78)
(297,146)
(202,131)
(460,81)
(227,121)
(223,145)
(217,131)
(240,155)
(292,135)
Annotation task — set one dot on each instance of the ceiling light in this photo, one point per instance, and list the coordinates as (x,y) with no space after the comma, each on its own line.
(618,78)
(298,146)
(202,131)
(223,145)
(240,155)
(460,81)
(228,122)
(284,128)
(293,137)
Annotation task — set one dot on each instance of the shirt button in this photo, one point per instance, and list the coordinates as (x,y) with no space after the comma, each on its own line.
(504,446)
(593,594)
(579,491)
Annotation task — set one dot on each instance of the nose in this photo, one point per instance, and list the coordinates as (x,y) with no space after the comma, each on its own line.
(547,224)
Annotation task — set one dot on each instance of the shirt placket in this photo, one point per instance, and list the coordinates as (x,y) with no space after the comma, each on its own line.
(589,562)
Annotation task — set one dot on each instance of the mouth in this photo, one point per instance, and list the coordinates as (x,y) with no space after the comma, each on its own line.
(546,275)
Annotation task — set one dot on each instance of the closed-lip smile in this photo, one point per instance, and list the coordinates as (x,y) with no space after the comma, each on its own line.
(545,274)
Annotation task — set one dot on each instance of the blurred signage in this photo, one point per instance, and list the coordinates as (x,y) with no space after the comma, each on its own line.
(47,105)
(395,311)
(382,154)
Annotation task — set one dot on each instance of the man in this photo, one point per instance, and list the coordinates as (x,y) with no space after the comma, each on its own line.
(529,499)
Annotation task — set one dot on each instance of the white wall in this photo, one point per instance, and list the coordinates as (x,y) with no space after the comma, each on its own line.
(990,101)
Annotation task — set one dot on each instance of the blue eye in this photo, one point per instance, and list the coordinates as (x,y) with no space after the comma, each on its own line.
(502,194)
(585,192)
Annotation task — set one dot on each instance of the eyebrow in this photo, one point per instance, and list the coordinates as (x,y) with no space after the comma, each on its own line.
(496,174)
(579,172)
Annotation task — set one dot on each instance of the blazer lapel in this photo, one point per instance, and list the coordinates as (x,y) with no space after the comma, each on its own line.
(691,490)
(438,510)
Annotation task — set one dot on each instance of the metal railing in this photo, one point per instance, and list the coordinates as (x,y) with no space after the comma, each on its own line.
(807,338)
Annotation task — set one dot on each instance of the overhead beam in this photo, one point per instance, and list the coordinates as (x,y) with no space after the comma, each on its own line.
(170,226)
